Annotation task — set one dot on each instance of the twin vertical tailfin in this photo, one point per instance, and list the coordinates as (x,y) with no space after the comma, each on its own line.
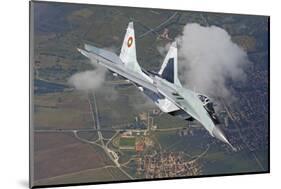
(128,50)
(169,68)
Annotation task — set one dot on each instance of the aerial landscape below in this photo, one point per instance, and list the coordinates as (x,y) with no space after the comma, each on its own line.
(124,94)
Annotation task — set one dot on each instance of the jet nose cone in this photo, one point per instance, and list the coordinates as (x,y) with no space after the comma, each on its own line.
(219,135)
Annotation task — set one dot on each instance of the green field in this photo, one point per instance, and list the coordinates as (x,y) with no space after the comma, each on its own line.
(103,174)
(127,141)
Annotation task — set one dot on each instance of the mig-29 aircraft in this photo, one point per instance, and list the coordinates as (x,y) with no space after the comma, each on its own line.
(163,88)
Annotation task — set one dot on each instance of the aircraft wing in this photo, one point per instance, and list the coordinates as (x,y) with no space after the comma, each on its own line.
(185,100)
(100,54)
(179,101)
(113,62)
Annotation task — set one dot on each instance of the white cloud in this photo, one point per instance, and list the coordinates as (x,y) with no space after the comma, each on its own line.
(208,58)
(88,80)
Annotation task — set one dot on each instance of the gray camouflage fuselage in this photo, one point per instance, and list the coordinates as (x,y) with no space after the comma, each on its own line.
(168,94)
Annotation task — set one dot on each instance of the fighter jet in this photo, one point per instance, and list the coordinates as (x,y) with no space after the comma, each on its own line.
(163,88)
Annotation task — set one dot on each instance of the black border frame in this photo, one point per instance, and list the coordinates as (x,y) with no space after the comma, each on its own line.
(137,180)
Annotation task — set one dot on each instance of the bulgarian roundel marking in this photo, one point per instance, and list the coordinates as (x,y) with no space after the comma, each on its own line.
(130,42)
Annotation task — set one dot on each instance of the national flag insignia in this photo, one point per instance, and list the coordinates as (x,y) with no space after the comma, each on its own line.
(130,41)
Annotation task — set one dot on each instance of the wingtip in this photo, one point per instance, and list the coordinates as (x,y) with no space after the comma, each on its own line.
(83,52)
(79,50)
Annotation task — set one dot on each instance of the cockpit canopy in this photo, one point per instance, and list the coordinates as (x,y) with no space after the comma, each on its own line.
(209,106)
(205,100)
